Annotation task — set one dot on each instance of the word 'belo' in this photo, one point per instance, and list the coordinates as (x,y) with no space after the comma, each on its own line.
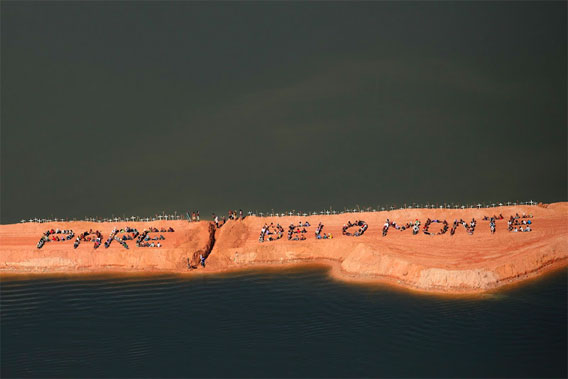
(145,238)
(297,232)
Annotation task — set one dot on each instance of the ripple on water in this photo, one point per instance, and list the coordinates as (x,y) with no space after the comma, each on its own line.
(294,323)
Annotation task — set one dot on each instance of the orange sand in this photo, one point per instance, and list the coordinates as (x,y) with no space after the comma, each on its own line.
(461,263)
(19,253)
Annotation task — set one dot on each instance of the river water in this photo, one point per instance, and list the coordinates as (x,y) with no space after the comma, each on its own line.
(294,323)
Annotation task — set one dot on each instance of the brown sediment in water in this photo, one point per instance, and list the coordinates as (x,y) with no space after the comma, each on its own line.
(461,263)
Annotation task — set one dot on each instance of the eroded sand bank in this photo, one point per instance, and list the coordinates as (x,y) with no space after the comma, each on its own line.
(460,263)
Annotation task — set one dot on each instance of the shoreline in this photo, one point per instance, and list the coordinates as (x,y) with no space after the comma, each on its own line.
(332,268)
(442,264)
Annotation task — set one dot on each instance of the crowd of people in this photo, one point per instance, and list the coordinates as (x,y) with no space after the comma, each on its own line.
(130,233)
(113,237)
(414,225)
(320,236)
(362,228)
(142,239)
(436,221)
(271,235)
(86,236)
(194,216)
(148,244)
(470,228)
(54,233)
(492,220)
(233,215)
(500,217)
(297,232)
(517,224)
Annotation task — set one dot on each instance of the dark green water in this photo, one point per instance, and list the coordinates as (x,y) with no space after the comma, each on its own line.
(284,105)
(293,323)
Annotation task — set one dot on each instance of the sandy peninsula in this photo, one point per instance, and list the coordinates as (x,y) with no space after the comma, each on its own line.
(459,263)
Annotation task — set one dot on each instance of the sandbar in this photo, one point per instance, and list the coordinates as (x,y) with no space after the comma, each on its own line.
(459,263)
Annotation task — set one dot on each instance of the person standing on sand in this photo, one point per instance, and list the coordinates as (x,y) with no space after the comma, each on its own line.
(197,215)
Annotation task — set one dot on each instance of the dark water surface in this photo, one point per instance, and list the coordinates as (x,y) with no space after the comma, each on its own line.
(292,323)
(181,104)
